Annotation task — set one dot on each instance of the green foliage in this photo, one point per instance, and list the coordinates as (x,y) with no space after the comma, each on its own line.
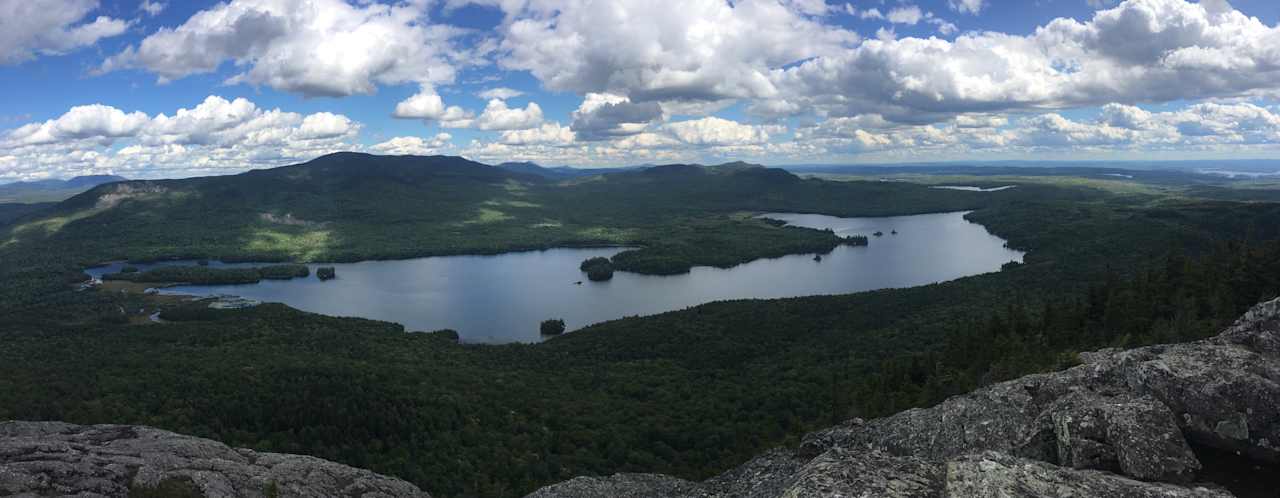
(202,275)
(196,311)
(354,207)
(551,327)
(326,273)
(284,272)
(13,211)
(598,269)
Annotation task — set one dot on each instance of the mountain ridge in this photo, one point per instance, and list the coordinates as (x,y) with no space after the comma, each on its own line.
(52,190)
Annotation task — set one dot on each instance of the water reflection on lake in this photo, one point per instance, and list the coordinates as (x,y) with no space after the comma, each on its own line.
(502,298)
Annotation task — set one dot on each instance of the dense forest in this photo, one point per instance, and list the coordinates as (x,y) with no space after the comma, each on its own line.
(202,275)
(690,392)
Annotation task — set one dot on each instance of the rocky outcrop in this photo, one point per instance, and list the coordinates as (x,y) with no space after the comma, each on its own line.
(58,459)
(1120,425)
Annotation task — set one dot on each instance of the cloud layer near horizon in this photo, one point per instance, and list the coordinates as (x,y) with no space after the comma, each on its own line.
(764,80)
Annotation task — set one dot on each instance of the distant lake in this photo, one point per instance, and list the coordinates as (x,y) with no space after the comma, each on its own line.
(502,298)
(970,188)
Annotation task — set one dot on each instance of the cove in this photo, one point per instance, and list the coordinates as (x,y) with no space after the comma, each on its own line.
(502,298)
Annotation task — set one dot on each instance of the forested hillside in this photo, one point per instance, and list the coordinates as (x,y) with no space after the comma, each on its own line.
(688,393)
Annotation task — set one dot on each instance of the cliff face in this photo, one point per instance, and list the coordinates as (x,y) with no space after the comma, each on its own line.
(57,459)
(1122,424)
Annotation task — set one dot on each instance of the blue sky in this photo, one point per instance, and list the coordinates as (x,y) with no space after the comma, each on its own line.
(173,88)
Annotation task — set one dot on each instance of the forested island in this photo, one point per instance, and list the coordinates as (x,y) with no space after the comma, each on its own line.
(597,269)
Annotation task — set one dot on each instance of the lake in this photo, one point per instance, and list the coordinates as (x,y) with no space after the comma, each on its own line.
(502,298)
(970,188)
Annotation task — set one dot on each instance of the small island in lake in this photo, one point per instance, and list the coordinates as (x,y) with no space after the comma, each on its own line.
(598,269)
(855,240)
(326,273)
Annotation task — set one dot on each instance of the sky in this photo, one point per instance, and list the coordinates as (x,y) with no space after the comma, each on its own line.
(168,88)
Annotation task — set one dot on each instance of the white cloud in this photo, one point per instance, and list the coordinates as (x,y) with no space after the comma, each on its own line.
(871,14)
(909,14)
(497,116)
(501,93)
(416,146)
(971,6)
(717,131)
(49,27)
(97,122)
(324,125)
(1140,51)
(309,47)
(1204,127)
(711,50)
(1125,116)
(945,27)
(809,7)
(547,134)
(428,106)
(216,135)
(152,8)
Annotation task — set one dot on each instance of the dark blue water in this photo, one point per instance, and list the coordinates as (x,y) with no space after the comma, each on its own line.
(502,298)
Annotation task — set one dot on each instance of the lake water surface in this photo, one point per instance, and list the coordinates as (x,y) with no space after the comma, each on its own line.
(502,298)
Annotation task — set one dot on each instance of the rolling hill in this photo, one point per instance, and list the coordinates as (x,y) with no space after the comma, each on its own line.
(351,206)
(51,190)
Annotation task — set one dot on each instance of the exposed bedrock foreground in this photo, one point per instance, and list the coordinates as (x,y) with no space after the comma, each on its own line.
(1162,421)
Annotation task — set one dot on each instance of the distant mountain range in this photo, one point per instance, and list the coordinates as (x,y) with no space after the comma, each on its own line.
(993,167)
(52,190)
(561,172)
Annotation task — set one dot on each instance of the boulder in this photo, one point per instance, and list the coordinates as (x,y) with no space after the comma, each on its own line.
(997,475)
(1136,436)
(54,458)
(621,486)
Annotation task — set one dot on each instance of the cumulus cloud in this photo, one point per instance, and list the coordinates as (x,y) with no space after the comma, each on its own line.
(501,93)
(871,14)
(970,6)
(547,134)
(310,47)
(909,14)
(636,48)
(49,27)
(96,122)
(216,135)
(1118,127)
(497,116)
(428,106)
(416,146)
(717,131)
(603,116)
(1139,51)
(152,8)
